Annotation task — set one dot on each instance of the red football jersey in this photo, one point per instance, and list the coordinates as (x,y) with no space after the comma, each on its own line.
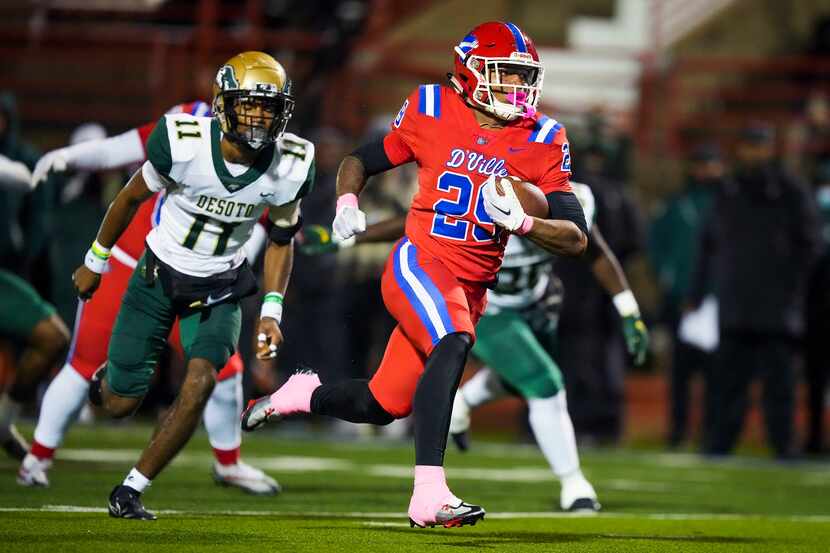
(132,239)
(455,156)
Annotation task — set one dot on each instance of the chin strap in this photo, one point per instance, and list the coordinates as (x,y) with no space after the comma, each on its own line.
(456,85)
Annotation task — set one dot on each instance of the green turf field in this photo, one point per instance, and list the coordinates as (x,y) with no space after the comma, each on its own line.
(352,496)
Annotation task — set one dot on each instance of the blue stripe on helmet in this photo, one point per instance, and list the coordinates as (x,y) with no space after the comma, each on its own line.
(521,46)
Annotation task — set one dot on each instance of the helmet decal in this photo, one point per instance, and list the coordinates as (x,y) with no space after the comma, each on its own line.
(226,79)
(468,43)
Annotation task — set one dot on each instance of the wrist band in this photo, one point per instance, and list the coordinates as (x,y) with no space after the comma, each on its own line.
(626,304)
(100,251)
(272,306)
(97,257)
(527,224)
(346,200)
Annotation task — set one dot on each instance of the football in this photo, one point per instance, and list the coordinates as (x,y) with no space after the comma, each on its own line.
(532,199)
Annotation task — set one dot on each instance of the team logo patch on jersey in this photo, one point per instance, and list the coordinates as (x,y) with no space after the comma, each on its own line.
(226,78)
(481,141)
(399,117)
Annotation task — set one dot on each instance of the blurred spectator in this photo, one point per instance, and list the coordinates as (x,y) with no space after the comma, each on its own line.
(591,349)
(818,321)
(817,132)
(314,325)
(24,216)
(673,247)
(610,133)
(757,249)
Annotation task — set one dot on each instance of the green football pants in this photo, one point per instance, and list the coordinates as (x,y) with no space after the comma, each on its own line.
(21,308)
(506,344)
(143,325)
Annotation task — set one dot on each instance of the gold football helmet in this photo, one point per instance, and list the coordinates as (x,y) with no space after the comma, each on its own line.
(252,99)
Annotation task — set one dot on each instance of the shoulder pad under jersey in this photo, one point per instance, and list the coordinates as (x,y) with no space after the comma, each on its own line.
(187,133)
(545,130)
(294,173)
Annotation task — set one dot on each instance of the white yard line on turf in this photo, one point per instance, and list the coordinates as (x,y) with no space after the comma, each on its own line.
(300,464)
(497,515)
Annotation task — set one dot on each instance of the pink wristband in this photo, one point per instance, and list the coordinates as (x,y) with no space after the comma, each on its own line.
(527,224)
(346,200)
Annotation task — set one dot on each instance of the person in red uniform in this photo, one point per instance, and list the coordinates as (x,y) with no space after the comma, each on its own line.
(95,318)
(466,138)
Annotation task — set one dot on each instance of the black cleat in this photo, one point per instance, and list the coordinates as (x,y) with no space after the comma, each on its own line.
(125,502)
(461,441)
(585,505)
(14,444)
(463,514)
(94,393)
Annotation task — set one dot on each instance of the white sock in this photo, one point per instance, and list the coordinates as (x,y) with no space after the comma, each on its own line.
(9,409)
(61,403)
(136,481)
(222,414)
(554,433)
(483,387)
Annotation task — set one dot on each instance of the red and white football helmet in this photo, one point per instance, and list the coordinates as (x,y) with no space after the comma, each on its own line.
(484,55)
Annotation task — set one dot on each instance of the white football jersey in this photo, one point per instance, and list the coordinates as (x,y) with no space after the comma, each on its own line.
(526,269)
(209,213)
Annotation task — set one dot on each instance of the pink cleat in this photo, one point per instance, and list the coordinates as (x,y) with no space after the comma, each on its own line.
(291,398)
(434,504)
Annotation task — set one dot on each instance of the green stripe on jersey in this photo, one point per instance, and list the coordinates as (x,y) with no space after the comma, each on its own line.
(158,148)
(231,183)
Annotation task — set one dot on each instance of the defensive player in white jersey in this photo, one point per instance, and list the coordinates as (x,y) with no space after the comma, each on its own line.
(67,392)
(220,174)
(514,338)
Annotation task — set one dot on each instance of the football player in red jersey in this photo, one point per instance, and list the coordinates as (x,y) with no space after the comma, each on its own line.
(67,392)
(465,137)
